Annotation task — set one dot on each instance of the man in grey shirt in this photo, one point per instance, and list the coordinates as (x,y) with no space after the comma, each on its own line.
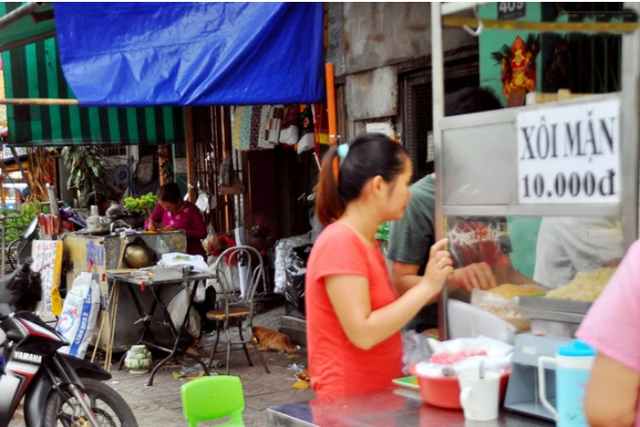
(412,236)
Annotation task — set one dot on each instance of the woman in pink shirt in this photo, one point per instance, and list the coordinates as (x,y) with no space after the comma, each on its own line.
(172,213)
(611,327)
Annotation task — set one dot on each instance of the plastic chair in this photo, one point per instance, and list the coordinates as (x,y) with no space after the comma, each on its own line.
(213,398)
(237,310)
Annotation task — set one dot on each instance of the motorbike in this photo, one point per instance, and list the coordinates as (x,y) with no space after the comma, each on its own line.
(58,389)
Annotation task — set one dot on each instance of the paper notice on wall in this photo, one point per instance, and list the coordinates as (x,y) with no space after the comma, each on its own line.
(384,128)
(180,165)
(47,260)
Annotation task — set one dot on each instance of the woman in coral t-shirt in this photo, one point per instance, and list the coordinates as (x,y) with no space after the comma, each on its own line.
(354,313)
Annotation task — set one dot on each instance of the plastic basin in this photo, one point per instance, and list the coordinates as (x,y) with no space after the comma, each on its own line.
(444,392)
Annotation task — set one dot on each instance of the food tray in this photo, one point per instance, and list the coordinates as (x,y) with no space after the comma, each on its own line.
(554,305)
(554,316)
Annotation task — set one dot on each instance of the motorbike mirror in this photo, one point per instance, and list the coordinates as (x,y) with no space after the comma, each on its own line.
(30,232)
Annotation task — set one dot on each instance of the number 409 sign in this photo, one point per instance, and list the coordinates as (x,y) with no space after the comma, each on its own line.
(511,10)
(570,154)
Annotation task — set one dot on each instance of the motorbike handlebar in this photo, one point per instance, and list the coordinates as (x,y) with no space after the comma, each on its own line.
(5,310)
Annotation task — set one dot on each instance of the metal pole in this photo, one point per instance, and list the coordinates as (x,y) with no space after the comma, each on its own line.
(38,101)
(542,27)
(16,157)
(28,40)
(630,109)
(437,79)
(19,13)
(4,246)
(192,175)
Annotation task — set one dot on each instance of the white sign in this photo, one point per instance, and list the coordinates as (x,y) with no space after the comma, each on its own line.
(180,165)
(47,260)
(570,154)
(384,128)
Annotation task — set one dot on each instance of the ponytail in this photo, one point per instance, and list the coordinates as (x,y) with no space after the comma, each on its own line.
(346,169)
(329,204)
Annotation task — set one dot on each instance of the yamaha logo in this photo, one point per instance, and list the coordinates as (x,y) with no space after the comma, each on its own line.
(27,357)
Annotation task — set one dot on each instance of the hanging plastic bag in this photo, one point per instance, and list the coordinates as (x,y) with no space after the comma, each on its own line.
(296,269)
(178,309)
(201,291)
(79,314)
(283,247)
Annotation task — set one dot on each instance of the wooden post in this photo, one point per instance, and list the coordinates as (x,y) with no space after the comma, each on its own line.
(192,174)
(162,157)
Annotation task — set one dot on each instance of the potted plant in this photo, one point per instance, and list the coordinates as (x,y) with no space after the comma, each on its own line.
(87,167)
(139,209)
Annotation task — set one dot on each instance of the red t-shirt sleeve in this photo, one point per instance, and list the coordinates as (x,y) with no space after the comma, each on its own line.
(340,253)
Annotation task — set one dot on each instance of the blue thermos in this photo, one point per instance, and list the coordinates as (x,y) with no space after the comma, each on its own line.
(573,364)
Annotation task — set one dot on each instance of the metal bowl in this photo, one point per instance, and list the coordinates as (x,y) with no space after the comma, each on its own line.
(139,255)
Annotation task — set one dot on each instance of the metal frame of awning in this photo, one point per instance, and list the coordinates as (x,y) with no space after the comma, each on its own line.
(20,13)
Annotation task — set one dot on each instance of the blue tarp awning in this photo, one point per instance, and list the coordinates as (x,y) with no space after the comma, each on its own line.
(153,54)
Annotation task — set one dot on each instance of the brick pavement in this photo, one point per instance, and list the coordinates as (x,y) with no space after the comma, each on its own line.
(160,404)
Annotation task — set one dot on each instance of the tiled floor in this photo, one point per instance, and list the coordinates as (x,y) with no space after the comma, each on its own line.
(160,404)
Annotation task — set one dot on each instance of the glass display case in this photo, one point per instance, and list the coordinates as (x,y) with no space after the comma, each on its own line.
(503,196)
(528,270)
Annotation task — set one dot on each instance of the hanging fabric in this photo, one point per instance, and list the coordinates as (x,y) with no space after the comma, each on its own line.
(289,128)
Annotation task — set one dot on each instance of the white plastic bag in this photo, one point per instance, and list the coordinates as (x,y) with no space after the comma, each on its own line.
(415,349)
(508,310)
(498,356)
(177,258)
(79,314)
(178,308)
(201,291)
(283,246)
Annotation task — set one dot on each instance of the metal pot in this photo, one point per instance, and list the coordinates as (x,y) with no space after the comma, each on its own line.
(139,255)
(99,225)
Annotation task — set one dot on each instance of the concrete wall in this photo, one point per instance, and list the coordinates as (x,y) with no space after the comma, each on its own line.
(369,43)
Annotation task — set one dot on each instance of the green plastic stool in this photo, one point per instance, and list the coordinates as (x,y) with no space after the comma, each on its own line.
(213,398)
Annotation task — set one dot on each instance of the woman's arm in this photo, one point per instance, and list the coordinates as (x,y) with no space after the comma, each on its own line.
(365,328)
(155,218)
(612,394)
(196,227)
(611,326)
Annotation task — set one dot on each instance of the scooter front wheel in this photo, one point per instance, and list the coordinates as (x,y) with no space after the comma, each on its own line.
(110,409)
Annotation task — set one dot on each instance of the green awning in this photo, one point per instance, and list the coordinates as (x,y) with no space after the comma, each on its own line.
(34,71)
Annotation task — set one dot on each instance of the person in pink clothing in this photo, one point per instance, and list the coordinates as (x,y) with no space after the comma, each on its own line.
(172,213)
(612,326)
